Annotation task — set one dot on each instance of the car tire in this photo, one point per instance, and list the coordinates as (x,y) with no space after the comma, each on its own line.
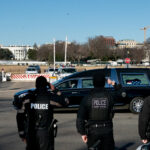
(136,105)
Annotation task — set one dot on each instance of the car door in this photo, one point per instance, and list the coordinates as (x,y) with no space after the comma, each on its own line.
(70,89)
(116,93)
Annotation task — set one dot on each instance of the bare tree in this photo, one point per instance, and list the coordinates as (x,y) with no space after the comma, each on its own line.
(137,54)
(115,54)
(60,50)
(146,48)
(73,51)
(82,53)
(45,53)
(98,48)
(77,52)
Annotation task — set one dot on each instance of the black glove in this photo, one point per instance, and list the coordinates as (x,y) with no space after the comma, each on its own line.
(22,134)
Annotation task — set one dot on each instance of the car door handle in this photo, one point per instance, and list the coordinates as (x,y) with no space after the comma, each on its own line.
(74,92)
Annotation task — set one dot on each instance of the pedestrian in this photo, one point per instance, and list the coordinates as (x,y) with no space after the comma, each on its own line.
(35,116)
(144,121)
(94,118)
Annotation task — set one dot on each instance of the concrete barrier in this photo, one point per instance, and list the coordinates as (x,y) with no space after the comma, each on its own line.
(32,77)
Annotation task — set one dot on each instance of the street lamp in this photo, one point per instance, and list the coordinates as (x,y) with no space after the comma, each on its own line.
(54,52)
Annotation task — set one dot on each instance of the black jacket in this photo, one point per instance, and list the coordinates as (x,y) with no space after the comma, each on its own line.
(35,110)
(144,120)
(97,107)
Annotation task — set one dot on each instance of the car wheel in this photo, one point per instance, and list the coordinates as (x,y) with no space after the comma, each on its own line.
(136,105)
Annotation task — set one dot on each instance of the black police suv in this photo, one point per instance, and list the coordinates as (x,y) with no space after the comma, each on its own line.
(135,86)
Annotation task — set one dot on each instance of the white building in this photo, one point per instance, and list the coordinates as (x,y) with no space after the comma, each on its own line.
(19,52)
(127,44)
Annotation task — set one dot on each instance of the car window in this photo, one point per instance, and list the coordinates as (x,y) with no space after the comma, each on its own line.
(68,84)
(87,83)
(70,70)
(73,83)
(29,69)
(56,82)
(37,67)
(51,70)
(132,79)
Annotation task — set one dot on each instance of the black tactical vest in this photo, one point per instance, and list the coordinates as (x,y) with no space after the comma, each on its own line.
(40,111)
(101,109)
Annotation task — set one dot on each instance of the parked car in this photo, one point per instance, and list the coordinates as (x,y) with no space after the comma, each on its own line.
(37,67)
(31,70)
(135,86)
(66,71)
(52,71)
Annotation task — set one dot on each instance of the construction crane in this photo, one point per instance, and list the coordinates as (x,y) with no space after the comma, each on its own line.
(145,29)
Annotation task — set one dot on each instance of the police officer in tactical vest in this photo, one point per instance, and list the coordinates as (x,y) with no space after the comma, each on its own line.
(144,123)
(35,116)
(94,118)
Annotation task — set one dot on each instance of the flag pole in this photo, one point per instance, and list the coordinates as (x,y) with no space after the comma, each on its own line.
(54,52)
(66,51)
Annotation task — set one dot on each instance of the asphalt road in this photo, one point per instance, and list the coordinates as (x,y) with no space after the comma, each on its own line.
(125,125)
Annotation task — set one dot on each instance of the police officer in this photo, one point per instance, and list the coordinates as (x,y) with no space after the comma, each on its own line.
(35,116)
(144,121)
(94,118)
(145,146)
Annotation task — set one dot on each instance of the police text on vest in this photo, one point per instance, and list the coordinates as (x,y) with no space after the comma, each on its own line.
(39,106)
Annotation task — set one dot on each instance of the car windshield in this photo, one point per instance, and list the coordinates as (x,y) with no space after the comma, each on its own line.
(133,79)
(57,81)
(51,69)
(34,66)
(68,70)
(31,69)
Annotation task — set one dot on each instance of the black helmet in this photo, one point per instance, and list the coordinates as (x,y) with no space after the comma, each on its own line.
(41,82)
(144,147)
(99,79)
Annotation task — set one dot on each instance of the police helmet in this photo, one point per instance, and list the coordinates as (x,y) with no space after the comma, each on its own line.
(98,79)
(41,82)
